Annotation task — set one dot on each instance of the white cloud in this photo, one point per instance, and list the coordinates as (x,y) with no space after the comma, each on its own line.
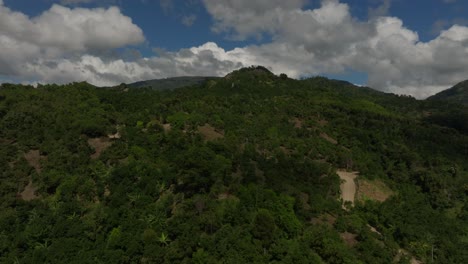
(63,45)
(205,60)
(64,29)
(329,40)
(60,33)
(247,18)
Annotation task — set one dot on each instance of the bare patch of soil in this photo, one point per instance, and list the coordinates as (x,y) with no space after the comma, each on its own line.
(403,252)
(33,157)
(328,138)
(286,150)
(226,195)
(7,141)
(167,127)
(29,192)
(348,186)
(349,238)
(297,122)
(323,122)
(210,133)
(99,145)
(374,190)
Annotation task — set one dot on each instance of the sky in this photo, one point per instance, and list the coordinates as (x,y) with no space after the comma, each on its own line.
(417,47)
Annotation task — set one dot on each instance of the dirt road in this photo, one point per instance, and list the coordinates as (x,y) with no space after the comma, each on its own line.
(348,187)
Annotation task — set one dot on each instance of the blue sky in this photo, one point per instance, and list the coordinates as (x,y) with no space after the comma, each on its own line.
(408,47)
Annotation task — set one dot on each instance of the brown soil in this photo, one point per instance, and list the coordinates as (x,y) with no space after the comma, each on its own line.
(210,133)
(226,195)
(403,252)
(7,141)
(349,238)
(323,122)
(374,190)
(328,138)
(348,186)
(297,122)
(167,127)
(34,159)
(29,192)
(286,150)
(99,145)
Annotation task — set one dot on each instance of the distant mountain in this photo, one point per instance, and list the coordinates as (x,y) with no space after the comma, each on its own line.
(456,94)
(170,83)
(453,112)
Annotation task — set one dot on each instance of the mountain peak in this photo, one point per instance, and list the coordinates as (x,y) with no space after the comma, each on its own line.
(256,71)
(456,94)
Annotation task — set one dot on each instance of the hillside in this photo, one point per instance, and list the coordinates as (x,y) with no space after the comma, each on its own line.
(249,168)
(456,94)
(170,83)
(449,108)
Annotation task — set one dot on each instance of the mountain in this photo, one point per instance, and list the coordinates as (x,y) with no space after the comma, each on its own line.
(248,168)
(170,83)
(456,94)
(449,108)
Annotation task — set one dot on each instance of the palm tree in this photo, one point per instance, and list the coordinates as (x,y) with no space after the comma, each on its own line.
(164,239)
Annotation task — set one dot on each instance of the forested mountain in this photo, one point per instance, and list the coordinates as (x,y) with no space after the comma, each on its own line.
(456,94)
(170,83)
(451,107)
(240,169)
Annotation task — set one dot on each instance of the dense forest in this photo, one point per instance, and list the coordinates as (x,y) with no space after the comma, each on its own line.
(240,169)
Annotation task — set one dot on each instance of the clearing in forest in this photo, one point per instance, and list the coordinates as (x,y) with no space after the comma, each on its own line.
(29,192)
(372,190)
(210,133)
(99,145)
(33,157)
(348,186)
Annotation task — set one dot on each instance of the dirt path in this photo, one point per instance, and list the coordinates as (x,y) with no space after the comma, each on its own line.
(348,186)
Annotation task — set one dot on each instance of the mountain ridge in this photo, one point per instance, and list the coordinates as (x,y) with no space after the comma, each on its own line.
(170,83)
(456,94)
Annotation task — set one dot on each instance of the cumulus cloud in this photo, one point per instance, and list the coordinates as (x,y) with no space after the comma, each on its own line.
(63,29)
(59,33)
(329,40)
(205,60)
(63,45)
(246,18)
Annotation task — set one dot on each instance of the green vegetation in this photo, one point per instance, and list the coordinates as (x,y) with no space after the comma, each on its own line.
(169,83)
(233,170)
(456,94)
